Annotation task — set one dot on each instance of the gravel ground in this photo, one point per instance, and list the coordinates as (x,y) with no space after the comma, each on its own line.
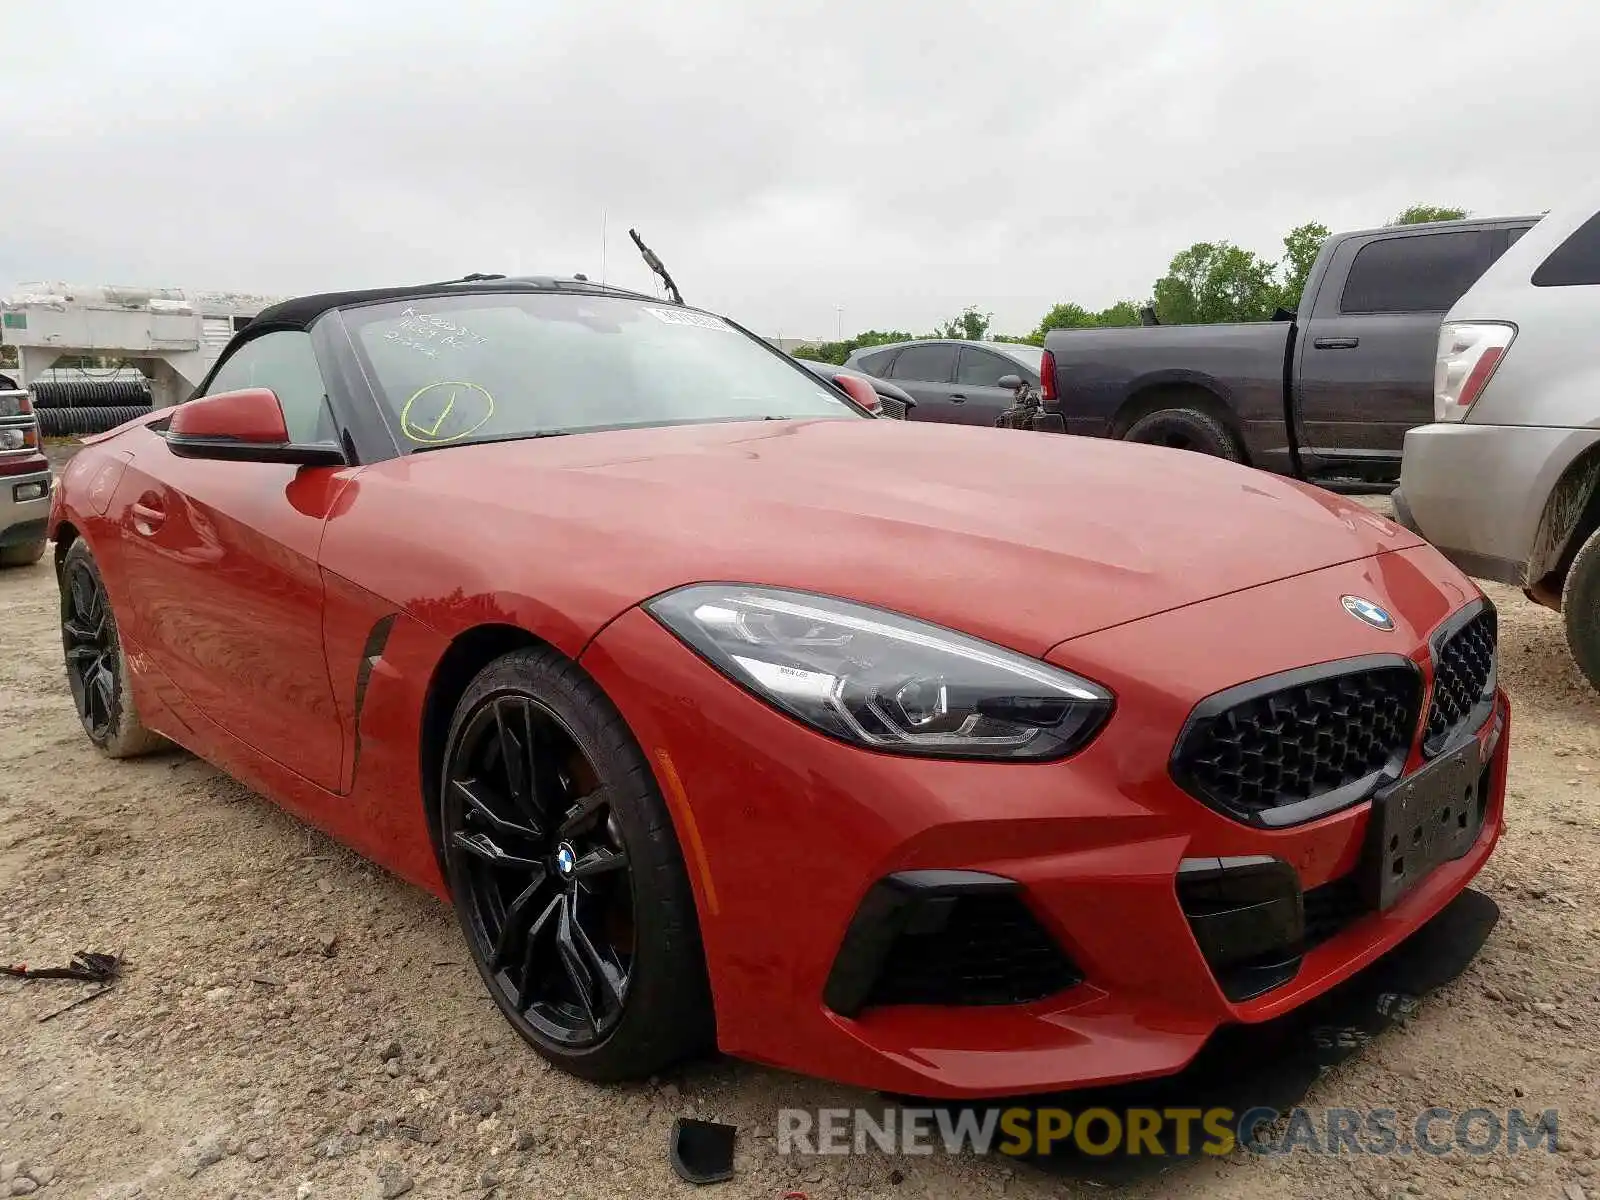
(295,1022)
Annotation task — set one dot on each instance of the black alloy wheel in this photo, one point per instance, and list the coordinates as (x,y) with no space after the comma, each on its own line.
(541,871)
(97,668)
(89,639)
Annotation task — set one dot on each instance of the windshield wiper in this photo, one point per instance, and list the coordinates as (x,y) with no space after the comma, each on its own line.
(420,447)
(496,437)
(655,265)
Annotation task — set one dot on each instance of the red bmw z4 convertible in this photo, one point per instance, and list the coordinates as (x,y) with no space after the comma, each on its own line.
(946,761)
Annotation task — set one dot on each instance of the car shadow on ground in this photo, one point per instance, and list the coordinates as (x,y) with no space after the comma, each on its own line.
(1271,1065)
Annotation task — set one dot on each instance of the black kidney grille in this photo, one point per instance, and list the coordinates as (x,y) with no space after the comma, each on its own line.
(992,950)
(1301,741)
(1461,674)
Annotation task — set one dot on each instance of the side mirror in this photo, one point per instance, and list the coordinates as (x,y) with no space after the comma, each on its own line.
(1010,382)
(860,391)
(243,426)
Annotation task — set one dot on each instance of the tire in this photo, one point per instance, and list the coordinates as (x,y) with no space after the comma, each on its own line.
(1580,609)
(24,555)
(1185,429)
(97,669)
(602,973)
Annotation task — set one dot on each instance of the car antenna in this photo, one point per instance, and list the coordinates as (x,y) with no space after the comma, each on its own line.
(1147,315)
(654,264)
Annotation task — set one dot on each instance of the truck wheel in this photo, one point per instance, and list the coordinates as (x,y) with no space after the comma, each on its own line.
(23,555)
(1580,609)
(1185,429)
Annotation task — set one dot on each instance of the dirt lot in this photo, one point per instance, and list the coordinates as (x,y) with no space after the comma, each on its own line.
(294,1022)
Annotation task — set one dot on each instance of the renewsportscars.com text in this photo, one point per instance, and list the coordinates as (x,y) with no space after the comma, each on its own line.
(1165,1131)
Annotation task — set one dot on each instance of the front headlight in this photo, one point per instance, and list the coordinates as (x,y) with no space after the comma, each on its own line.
(883,680)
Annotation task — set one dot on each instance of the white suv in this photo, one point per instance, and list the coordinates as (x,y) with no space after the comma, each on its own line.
(1506,482)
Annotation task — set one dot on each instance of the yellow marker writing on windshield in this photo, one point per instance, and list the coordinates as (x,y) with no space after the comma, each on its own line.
(468,402)
(434,428)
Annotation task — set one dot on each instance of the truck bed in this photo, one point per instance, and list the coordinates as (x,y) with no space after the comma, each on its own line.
(1098,370)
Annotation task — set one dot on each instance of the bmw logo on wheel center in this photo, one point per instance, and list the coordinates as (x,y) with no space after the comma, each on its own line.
(566,858)
(1365,610)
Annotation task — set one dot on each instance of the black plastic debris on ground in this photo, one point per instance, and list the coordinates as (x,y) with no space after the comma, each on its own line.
(702,1151)
(87,966)
(1271,1065)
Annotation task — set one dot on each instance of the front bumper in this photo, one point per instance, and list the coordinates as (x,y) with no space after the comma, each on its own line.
(24,521)
(786,833)
(1478,492)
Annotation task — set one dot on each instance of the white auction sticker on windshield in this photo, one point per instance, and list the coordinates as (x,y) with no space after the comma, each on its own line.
(683,316)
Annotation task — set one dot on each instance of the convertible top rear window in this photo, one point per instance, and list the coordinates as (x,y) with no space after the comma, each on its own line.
(492,366)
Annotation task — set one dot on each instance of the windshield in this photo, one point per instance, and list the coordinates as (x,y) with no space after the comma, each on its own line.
(454,369)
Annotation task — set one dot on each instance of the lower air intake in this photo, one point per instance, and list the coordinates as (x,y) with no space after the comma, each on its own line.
(947,938)
(1254,925)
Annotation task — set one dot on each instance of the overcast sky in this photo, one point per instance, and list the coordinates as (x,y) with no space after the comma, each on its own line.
(899,160)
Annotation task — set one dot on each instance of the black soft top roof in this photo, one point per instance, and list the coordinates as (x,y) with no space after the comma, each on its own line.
(302,311)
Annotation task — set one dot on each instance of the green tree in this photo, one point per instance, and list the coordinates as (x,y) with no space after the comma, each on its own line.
(1418,213)
(1123,312)
(1066,316)
(837,352)
(971,325)
(1075,316)
(1301,245)
(1216,281)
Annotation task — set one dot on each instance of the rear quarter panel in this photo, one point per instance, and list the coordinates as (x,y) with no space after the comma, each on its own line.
(1099,370)
(1551,375)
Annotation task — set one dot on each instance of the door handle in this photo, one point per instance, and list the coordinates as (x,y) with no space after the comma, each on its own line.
(958,397)
(1336,343)
(147,518)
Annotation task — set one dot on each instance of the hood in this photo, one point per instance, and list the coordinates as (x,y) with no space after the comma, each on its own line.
(1023,538)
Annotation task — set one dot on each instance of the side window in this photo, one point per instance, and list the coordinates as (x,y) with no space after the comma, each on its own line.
(1511,234)
(1576,261)
(284,362)
(1416,273)
(979,368)
(926,364)
(873,364)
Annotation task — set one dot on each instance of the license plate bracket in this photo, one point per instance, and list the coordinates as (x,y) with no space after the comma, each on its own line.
(1421,821)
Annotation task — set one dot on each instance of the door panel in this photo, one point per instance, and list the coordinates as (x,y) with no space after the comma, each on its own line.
(222,585)
(977,371)
(220,565)
(1366,355)
(1367,379)
(926,371)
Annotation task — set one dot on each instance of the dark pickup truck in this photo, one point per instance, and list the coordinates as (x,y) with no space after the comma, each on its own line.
(1325,393)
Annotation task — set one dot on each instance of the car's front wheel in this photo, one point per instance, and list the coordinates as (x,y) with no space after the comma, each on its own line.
(97,669)
(566,873)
